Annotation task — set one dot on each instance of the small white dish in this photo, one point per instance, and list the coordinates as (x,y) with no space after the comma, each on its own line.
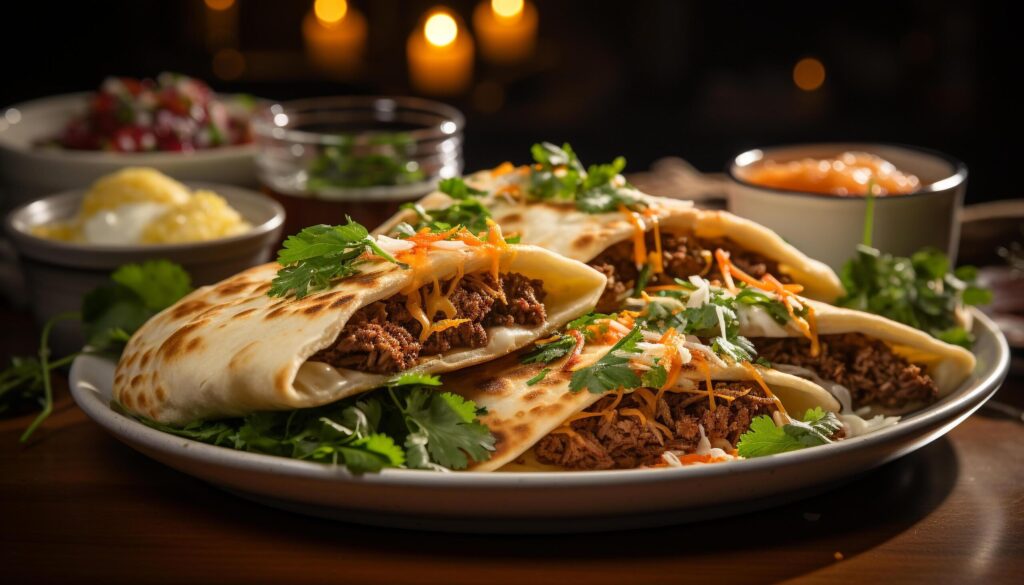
(517,502)
(28,171)
(829,227)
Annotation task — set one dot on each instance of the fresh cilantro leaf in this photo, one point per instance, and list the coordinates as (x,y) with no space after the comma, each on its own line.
(549,352)
(765,438)
(654,377)
(410,378)
(612,371)
(582,324)
(539,377)
(470,213)
(739,348)
(318,255)
(755,298)
(918,291)
(454,436)
(457,188)
(372,453)
(558,175)
(158,283)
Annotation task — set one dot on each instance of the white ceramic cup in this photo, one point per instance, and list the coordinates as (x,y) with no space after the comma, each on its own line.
(829,227)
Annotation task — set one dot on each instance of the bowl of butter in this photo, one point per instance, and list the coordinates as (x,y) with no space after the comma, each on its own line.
(69,243)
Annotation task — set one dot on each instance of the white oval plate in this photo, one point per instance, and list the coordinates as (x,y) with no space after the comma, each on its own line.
(544,502)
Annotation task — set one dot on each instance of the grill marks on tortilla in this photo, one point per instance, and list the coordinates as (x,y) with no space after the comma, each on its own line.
(384,337)
(619,439)
(682,256)
(874,374)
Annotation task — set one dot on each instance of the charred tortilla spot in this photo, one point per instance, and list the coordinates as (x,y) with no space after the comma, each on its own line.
(194,344)
(276,313)
(545,408)
(493,385)
(126,399)
(245,312)
(342,301)
(142,400)
(130,360)
(521,429)
(146,356)
(365,280)
(161,394)
(233,287)
(510,218)
(533,395)
(583,241)
(137,380)
(313,309)
(188,308)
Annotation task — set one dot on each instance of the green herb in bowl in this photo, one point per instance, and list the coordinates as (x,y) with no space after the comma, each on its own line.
(381,160)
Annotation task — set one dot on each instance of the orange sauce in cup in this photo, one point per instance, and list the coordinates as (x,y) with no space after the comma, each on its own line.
(850,173)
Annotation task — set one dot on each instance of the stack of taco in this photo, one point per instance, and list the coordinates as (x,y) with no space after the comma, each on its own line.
(542,317)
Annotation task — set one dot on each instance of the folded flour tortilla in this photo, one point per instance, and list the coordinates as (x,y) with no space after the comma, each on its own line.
(229,349)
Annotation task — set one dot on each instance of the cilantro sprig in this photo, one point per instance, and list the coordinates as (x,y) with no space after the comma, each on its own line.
(919,291)
(766,438)
(559,176)
(110,314)
(405,424)
(467,210)
(321,254)
(612,371)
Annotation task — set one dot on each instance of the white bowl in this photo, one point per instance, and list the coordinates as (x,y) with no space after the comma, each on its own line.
(28,171)
(829,227)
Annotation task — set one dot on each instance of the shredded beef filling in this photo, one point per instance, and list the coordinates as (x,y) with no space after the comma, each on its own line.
(868,367)
(682,256)
(623,441)
(383,338)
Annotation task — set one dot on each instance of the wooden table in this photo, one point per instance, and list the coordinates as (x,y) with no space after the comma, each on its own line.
(77,506)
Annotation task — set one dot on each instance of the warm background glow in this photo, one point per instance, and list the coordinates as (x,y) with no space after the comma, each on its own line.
(809,74)
(330,12)
(219,4)
(441,29)
(507,8)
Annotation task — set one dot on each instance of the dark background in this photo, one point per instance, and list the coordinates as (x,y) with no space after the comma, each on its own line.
(645,79)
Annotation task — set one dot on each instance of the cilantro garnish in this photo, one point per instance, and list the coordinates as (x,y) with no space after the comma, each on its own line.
(654,377)
(321,254)
(612,371)
(919,291)
(704,322)
(467,210)
(582,324)
(539,377)
(765,438)
(110,315)
(551,351)
(404,425)
(559,176)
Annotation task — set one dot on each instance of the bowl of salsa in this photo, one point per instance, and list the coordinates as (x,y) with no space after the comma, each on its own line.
(173,123)
(815,196)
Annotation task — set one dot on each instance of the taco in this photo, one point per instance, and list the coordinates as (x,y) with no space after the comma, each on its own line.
(593,216)
(349,313)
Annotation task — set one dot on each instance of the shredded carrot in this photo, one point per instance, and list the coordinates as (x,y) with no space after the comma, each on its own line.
(639,231)
(658,263)
(503,169)
(756,375)
(706,370)
(724,266)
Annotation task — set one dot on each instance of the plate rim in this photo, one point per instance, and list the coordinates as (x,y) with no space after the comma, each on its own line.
(127,429)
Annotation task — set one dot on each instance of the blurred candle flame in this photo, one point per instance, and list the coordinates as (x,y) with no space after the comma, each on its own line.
(510,9)
(440,29)
(330,12)
(219,4)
